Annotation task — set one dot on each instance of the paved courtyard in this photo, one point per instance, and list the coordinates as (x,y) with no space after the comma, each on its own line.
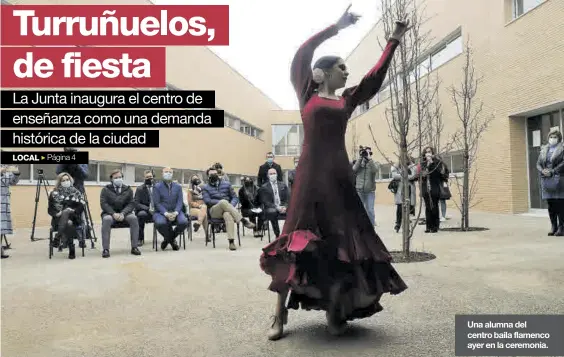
(214,303)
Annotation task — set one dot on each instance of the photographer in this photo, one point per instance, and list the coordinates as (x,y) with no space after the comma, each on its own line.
(9,176)
(78,172)
(65,206)
(365,170)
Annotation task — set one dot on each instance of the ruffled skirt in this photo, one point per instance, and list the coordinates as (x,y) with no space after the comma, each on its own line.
(321,277)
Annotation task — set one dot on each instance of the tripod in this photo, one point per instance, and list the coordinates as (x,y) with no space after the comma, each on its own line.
(40,180)
(91,233)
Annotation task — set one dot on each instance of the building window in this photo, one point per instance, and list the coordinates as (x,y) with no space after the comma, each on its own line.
(233,122)
(106,169)
(447,52)
(521,7)
(455,162)
(287,139)
(49,171)
(92,172)
(25,171)
(385,172)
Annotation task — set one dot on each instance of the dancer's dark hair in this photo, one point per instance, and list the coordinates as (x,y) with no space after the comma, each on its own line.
(326,62)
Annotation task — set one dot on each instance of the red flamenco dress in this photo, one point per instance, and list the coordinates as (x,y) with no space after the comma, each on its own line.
(328,239)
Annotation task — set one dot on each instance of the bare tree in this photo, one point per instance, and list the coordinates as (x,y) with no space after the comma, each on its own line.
(411,97)
(472,125)
(354,139)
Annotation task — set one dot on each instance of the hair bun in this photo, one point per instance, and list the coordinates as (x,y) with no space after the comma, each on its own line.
(318,75)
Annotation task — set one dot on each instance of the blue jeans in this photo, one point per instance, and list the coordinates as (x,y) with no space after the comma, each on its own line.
(443,208)
(368,199)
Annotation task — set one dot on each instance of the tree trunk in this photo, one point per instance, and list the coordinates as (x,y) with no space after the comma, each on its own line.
(405,222)
(465,192)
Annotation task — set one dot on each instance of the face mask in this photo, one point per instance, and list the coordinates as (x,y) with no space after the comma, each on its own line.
(552,141)
(167,176)
(270,160)
(148,182)
(428,155)
(273,177)
(196,182)
(66,184)
(118,182)
(214,178)
(248,183)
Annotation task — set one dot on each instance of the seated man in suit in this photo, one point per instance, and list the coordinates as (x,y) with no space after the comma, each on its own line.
(273,197)
(116,200)
(144,204)
(168,200)
(220,198)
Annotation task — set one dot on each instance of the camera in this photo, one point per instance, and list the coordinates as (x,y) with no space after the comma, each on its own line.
(365,152)
(40,171)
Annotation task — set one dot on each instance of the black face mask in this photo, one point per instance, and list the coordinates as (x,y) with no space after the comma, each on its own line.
(148,182)
(195,182)
(248,183)
(214,178)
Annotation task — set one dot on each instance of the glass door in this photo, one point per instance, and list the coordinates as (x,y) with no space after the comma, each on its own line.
(538,128)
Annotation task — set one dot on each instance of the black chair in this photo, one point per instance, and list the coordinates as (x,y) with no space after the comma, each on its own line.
(266,225)
(182,240)
(213,224)
(81,236)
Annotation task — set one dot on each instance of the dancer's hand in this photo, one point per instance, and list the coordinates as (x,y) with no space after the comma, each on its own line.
(400,30)
(347,19)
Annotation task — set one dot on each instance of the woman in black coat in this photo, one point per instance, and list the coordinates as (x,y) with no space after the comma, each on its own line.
(248,199)
(432,177)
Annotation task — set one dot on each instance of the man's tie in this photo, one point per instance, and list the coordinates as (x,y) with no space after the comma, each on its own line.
(276,196)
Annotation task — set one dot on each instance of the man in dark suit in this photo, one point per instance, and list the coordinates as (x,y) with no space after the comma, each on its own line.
(262,176)
(144,204)
(116,201)
(273,197)
(168,200)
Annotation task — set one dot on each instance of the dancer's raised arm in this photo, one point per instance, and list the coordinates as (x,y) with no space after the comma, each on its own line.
(372,81)
(300,73)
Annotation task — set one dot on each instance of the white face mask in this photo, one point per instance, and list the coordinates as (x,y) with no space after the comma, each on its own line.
(428,155)
(273,177)
(118,182)
(66,184)
(167,176)
(552,141)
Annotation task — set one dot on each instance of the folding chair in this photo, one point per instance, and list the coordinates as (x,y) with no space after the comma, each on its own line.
(218,222)
(190,229)
(81,233)
(182,240)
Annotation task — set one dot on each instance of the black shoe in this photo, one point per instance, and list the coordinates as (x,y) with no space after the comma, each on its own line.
(141,242)
(196,227)
(232,245)
(427,231)
(135,251)
(72,253)
(106,253)
(174,245)
(164,244)
(434,230)
(397,228)
(559,232)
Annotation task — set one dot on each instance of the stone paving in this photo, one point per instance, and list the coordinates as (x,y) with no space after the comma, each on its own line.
(214,303)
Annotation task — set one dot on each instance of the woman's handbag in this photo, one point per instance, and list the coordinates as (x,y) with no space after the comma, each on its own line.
(445,191)
(552,183)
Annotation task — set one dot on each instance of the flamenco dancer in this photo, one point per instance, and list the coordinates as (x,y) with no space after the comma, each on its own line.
(329,255)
